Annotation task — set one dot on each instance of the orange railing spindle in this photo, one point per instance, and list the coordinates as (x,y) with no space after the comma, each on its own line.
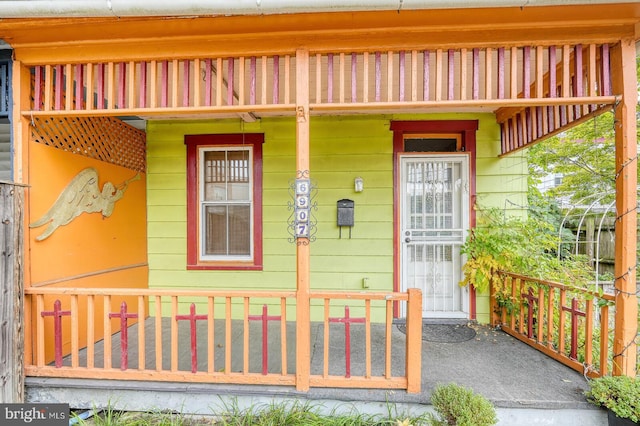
(245,325)
(550,305)
(283,334)
(325,368)
(588,337)
(604,340)
(141,333)
(106,308)
(210,336)
(174,333)
(387,352)
(158,332)
(75,335)
(367,338)
(561,328)
(540,316)
(227,336)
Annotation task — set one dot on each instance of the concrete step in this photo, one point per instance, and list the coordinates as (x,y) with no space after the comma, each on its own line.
(209,399)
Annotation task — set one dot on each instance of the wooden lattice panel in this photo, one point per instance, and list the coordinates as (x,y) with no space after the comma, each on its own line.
(103,138)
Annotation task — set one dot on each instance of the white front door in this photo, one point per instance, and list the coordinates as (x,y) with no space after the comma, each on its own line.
(434,222)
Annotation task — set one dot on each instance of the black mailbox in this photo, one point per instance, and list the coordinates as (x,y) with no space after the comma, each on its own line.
(345,215)
(345,212)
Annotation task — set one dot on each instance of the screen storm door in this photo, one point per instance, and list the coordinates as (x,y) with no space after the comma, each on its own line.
(434,222)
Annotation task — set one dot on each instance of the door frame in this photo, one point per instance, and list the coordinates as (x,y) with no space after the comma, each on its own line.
(403,129)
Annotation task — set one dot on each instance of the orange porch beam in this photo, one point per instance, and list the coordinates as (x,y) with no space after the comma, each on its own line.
(92,39)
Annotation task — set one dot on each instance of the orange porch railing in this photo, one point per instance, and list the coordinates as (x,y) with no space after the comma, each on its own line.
(241,337)
(571,325)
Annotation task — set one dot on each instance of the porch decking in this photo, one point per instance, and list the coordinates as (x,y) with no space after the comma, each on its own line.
(524,384)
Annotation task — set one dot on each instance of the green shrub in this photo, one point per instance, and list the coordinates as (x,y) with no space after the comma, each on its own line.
(523,246)
(459,406)
(620,394)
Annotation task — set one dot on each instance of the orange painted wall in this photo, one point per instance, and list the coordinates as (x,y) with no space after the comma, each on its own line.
(90,242)
(90,251)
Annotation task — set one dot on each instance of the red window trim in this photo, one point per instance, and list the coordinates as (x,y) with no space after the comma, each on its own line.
(193,143)
(467,130)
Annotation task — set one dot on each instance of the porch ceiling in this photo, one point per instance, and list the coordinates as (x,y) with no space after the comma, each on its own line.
(120,8)
(134,38)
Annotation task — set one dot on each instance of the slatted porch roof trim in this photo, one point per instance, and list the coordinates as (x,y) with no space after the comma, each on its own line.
(582,71)
(534,91)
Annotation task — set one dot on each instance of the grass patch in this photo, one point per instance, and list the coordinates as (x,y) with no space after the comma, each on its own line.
(274,414)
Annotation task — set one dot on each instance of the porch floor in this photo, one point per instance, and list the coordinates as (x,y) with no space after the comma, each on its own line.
(512,375)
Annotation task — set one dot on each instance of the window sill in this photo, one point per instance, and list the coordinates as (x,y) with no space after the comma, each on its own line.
(224,266)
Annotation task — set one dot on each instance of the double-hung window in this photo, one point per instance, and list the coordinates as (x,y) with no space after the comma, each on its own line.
(224,208)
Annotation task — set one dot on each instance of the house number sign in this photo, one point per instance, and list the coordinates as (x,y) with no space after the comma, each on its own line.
(302,222)
(302,208)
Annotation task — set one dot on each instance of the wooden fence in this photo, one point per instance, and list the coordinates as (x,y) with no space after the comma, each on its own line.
(11,294)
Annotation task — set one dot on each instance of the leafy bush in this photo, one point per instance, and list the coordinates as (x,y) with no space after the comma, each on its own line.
(460,406)
(620,394)
(528,247)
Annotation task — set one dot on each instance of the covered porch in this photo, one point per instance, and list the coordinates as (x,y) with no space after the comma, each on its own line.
(352,65)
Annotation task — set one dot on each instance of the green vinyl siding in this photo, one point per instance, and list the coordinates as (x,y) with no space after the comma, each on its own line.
(500,181)
(341,149)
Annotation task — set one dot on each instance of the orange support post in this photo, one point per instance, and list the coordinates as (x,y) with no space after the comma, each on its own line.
(414,341)
(623,64)
(303,316)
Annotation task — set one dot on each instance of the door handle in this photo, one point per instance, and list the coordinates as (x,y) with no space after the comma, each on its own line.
(407,240)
